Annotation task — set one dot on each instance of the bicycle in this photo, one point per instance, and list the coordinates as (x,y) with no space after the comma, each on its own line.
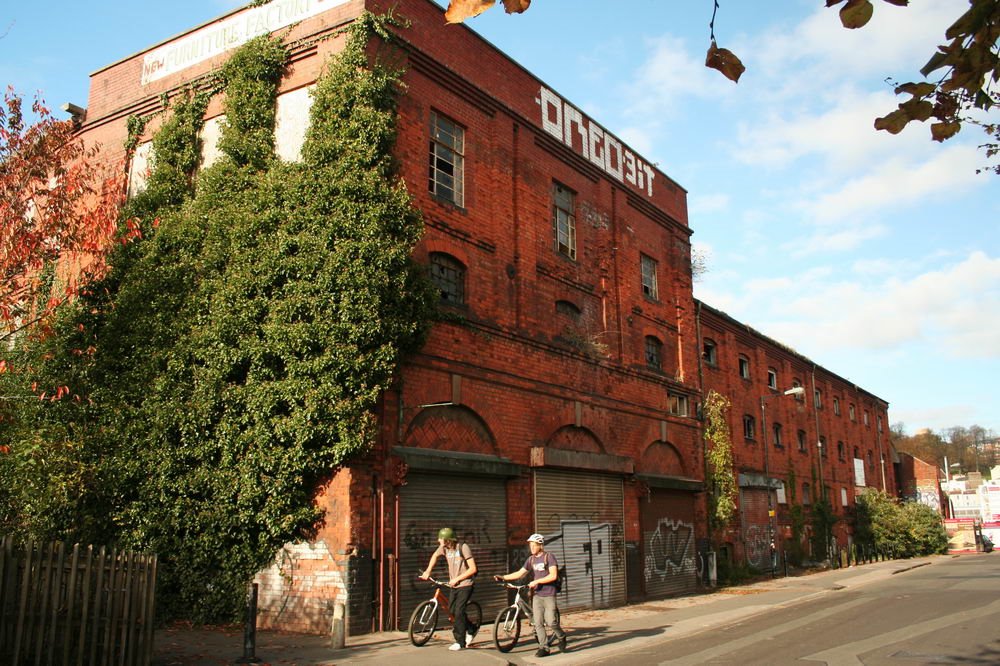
(423,620)
(507,626)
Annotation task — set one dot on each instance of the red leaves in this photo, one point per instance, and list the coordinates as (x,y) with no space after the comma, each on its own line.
(59,206)
(724,61)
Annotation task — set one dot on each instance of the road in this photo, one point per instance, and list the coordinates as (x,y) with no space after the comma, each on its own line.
(948,613)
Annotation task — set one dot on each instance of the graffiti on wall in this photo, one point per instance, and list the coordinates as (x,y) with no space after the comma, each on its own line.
(669,549)
(758,547)
(590,554)
(929,495)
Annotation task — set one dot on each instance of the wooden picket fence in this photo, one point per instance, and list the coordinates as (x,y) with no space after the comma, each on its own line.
(80,605)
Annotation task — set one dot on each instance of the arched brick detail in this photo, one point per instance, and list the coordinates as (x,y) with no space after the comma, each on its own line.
(662,458)
(452,428)
(573,438)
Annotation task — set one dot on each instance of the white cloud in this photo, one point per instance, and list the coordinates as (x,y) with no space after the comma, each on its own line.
(711,203)
(955,310)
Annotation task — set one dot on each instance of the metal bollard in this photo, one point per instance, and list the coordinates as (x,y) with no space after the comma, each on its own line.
(250,629)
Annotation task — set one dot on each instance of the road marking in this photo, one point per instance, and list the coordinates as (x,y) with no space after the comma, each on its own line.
(767,634)
(847,654)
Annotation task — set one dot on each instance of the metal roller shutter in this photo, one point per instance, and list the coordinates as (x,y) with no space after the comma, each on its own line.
(754,519)
(668,543)
(581,517)
(476,508)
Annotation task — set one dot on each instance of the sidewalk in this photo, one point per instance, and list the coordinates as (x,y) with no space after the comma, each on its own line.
(592,634)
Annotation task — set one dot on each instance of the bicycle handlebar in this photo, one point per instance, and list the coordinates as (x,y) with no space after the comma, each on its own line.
(433,581)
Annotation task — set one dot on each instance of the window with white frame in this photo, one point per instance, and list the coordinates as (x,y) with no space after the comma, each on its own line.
(818,398)
(709,352)
(776,430)
(772,378)
(564,220)
(744,367)
(851,413)
(446,174)
(843,496)
(648,269)
(836,406)
(678,404)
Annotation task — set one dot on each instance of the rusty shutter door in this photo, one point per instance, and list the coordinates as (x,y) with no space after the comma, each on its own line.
(476,508)
(754,523)
(668,543)
(581,517)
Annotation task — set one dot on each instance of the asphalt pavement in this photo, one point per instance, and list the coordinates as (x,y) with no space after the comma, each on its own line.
(593,634)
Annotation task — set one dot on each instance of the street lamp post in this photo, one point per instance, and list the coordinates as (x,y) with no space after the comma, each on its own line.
(797,390)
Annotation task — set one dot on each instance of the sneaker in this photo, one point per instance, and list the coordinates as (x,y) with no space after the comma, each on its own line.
(542,652)
(562,643)
(455,647)
(468,640)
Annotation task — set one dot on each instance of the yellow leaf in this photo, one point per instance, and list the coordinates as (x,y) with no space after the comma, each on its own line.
(917,109)
(856,13)
(942,131)
(725,61)
(892,123)
(459,10)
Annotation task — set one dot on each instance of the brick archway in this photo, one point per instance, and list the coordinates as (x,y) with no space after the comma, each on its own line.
(451,428)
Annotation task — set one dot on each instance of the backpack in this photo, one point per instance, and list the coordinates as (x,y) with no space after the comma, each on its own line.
(560,575)
(462,555)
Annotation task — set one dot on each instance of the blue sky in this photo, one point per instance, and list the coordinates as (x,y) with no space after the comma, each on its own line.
(876,256)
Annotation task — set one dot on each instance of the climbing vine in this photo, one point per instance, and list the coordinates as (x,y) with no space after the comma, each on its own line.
(232,359)
(719,459)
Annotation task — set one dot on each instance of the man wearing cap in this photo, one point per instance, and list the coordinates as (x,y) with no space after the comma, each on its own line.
(461,569)
(544,570)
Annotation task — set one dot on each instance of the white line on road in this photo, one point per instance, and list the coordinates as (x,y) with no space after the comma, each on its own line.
(846,655)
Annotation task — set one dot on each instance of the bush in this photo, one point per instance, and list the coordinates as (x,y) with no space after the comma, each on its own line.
(906,530)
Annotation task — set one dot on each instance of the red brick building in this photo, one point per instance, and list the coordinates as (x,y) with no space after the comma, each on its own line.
(562,395)
(828,440)
(920,481)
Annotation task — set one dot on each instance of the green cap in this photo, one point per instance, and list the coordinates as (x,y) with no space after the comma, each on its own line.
(446,533)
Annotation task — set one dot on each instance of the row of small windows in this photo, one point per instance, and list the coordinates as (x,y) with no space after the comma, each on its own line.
(446,181)
(710,355)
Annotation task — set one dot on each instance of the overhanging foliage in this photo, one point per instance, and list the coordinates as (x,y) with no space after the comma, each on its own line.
(230,362)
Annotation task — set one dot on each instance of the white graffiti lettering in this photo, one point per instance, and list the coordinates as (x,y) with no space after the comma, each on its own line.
(566,123)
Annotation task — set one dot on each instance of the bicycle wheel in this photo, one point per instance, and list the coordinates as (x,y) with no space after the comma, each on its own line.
(506,629)
(423,623)
(473,617)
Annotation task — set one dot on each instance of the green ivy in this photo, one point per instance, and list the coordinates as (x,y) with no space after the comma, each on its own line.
(233,359)
(719,460)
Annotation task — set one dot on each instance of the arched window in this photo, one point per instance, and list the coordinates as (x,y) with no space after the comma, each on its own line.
(448,275)
(654,353)
(568,308)
(709,352)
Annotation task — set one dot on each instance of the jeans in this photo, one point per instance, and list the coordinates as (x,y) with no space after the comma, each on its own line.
(543,612)
(458,599)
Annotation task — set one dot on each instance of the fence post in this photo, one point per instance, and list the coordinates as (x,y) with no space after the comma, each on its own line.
(338,636)
(250,629)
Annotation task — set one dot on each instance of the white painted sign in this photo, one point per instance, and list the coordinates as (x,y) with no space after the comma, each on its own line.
(859,472)
(566,123)
(219,37)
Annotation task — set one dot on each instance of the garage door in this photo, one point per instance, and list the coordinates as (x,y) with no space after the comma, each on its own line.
(668,543)
(476,508)
(581,517)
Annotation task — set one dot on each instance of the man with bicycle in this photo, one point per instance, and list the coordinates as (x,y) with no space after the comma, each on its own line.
(461,569)
(545,572)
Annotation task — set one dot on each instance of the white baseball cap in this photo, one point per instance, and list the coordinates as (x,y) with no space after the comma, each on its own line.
(537,538)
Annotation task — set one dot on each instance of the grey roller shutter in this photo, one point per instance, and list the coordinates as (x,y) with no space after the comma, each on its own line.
(581,517)
(668,543)
(476,508)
